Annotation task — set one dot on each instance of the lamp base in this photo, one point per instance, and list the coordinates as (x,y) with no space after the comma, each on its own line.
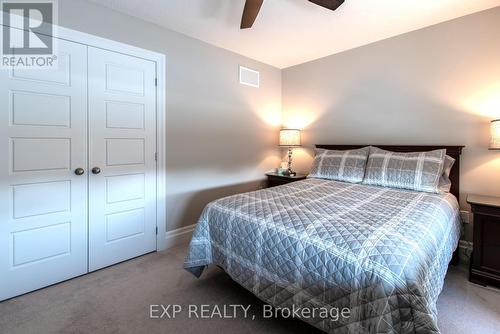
(289,171)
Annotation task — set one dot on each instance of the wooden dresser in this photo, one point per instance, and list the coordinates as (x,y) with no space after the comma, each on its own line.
(485,261)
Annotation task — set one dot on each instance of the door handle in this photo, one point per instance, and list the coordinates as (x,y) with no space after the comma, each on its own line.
(96,170)
(79,171)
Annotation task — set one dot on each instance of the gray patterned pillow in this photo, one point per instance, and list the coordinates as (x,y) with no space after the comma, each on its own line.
(415,171)
(444,180)
(348,166)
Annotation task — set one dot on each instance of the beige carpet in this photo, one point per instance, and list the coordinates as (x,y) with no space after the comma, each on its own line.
(117,299)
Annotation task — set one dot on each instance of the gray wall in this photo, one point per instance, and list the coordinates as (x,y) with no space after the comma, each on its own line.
(221,136)
(438,85)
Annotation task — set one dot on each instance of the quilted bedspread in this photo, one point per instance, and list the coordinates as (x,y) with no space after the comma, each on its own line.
(381,252)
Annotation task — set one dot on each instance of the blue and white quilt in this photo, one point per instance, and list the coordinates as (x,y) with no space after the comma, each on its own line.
(381,252)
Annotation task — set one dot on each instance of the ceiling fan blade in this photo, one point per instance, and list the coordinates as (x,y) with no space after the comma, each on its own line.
(330,4)
(250,12)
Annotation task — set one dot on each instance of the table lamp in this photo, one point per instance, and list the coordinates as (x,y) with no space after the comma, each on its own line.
(495,135)
(290,138)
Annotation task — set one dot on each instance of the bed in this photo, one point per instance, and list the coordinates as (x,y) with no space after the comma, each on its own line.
(319,244)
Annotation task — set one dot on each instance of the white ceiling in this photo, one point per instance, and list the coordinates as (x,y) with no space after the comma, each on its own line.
(290,32)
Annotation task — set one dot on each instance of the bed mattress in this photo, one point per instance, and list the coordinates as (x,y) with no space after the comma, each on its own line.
(380,252)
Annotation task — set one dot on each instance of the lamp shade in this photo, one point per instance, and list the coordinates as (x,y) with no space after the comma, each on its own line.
(495,135)
(289,137)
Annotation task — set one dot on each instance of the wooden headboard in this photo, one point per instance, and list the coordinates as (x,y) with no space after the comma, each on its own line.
(452,151)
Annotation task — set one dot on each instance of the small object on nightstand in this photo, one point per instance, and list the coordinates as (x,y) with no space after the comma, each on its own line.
(281,170)
(485,261)
(274,179)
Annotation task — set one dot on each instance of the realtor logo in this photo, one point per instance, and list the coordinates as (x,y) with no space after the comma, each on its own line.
(27,30)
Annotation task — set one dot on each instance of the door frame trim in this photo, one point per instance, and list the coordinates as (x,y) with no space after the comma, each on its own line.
(160,60)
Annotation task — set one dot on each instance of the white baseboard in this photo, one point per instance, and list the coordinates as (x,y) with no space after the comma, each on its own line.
(464,251)
(179,236)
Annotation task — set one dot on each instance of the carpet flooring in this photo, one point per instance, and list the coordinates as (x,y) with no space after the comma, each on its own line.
(117,300)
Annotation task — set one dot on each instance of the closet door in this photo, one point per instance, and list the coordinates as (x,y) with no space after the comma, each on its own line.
(43,202)
(122,141)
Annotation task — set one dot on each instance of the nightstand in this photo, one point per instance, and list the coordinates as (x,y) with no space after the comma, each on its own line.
(485,261)
(274,179)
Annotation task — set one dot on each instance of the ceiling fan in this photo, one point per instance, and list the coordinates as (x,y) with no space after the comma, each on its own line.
(252,8)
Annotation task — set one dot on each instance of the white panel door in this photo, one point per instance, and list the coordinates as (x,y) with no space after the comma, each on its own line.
(43,203)
(122,141)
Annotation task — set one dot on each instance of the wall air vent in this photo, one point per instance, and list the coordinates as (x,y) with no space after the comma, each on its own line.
(249,77)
